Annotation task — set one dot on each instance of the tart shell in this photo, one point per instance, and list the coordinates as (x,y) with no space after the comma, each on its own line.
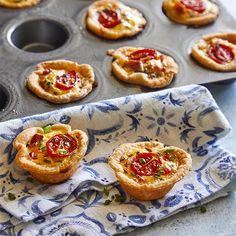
(140,78)
(22,4)
(204,19)
(207,62)
(84,70)
(49,174)
(94,26)
(145,191)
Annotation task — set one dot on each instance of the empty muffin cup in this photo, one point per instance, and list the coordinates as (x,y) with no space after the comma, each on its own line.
(38,35)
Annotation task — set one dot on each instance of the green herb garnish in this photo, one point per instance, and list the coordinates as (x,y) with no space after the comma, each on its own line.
(173,158)
(106,192)
(203,209)
(47,129)
(29,179)
(169,151)
(62,151)
(11,196)
(43,148)
(107,202)
(142,160)
(161,171)
(48,83)
(119,198)
(47,161)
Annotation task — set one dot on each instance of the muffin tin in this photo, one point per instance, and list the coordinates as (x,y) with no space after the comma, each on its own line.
(56,30)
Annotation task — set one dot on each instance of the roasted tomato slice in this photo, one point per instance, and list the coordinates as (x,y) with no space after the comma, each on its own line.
(33,155)
(61,145)
(220,53)
(194,5)
(145,165)
(143,54)
(35,140)
(67,81)
(109,18)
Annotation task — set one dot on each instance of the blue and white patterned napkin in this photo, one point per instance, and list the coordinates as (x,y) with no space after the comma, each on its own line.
(187,117)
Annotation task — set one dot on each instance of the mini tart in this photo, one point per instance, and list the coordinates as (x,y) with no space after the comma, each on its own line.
(143,66)
(112,19)
(216,51)
(202,12)
(51,154)
(148,170)
(61,81)
(18,3)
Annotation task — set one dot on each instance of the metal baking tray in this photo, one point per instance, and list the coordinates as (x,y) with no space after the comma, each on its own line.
(56,30)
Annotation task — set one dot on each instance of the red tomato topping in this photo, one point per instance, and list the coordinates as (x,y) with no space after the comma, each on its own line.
(46,71)
(194,5)
(144,164)
(221,53)
(167,170)
(67,81)
(61,145)
(35,140)
(143,54)
(134,65)
(109,18)
(33,155)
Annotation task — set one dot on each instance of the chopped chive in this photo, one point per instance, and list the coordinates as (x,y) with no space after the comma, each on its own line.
(169,151)
(47,129)
(173,158)
(119,198)
(11,196)
(62,151)
(106,192)
(48,83)
(29,179)
(107,202)
(47,161)
(142,160)
(43,148)
(203,209)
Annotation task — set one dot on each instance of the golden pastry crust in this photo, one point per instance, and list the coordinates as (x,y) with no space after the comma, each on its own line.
(131,20)
(177,12)
(18,3)
(40,164)
(44,85)
(200,51)
(155,72)
(149,187)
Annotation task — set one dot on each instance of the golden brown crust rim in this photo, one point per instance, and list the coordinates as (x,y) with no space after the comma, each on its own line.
(207,62)
(199,20)
(145,191)
(140,78)
(110,33)
(49,174)
(22,4)
(88,77)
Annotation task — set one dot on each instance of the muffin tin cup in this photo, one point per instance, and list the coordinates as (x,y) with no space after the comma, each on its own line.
(63,24)
(40,37)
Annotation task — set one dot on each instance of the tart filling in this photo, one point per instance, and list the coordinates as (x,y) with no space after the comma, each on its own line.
(148,170)
(150,165)
(52,153)
(144,66)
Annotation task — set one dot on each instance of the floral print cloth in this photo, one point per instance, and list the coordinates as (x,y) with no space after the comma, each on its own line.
(92,202)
